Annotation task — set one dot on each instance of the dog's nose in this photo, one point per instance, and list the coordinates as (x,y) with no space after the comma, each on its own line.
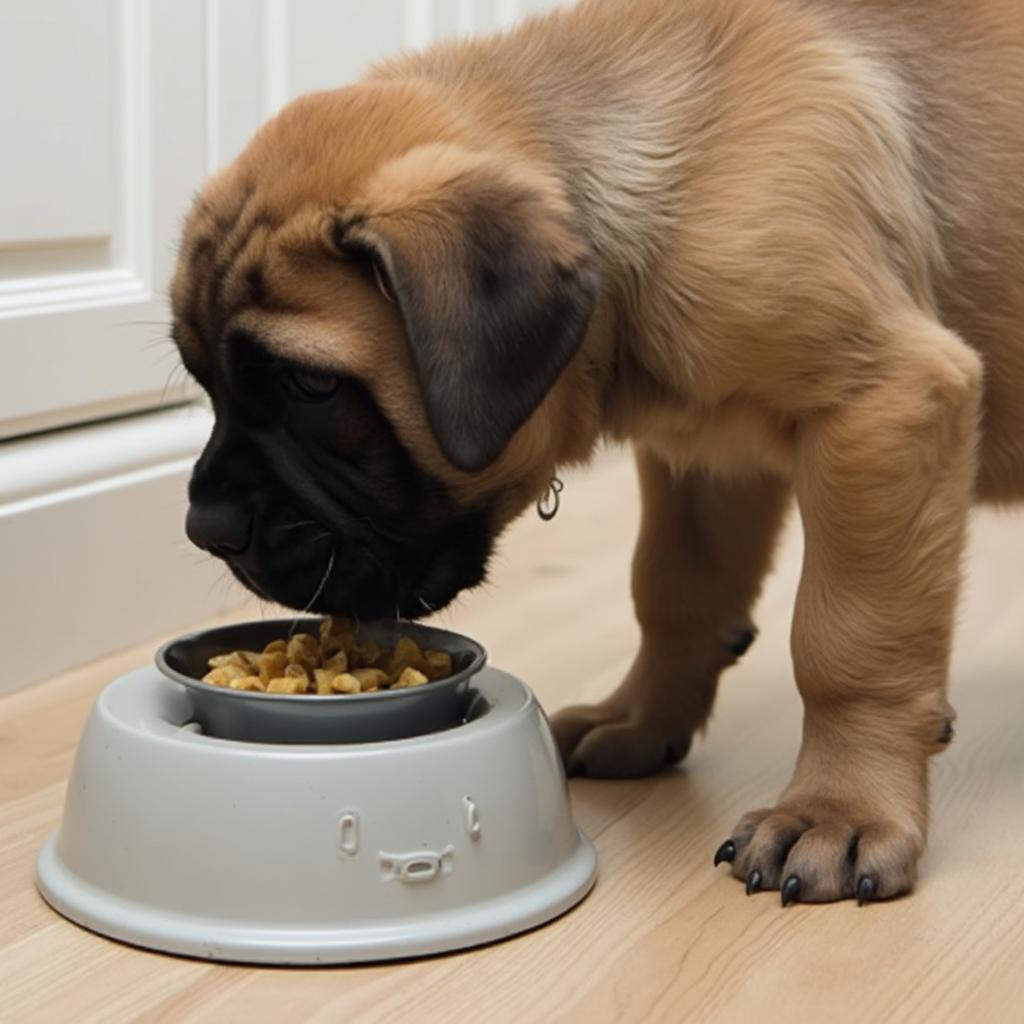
(222,528)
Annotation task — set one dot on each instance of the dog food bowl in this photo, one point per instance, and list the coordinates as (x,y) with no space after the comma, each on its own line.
(310,852)
(311,718)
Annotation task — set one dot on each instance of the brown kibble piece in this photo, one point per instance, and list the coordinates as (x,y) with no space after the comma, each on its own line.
(303,649)
(274,646)
(335,625)
(345,682)
(371,678)
(336,635)
(407,652)
(410,677)
(247,683)
(367,655)
(337,663)
(322,678)
(288,684)
(225,674)
(240,659)
(271,666)
(438,664)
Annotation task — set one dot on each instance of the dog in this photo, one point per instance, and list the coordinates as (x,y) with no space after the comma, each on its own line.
(776,245)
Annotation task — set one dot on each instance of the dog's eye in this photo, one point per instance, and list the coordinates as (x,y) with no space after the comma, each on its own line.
(312,385)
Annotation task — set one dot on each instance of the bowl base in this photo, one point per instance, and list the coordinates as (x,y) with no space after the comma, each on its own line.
(189,844)
(210,939)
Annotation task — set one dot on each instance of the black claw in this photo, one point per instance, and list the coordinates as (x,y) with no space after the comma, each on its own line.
(791,890)
(753,882)
(947,734)
(726,853)
(866,889)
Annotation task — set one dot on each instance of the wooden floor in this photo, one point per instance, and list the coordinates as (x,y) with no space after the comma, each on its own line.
(663,936)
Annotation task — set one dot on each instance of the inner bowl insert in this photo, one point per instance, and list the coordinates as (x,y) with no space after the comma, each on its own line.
(311,718)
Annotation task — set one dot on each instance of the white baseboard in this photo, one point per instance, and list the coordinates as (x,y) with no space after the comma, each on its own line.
(93,554)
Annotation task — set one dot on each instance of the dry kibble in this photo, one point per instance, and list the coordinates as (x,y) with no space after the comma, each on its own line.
(328,664)
(346,683)
(406,653)
(337,663)
(341,643)
(367,655)
(410,677)
(304,650)
(241,659)
(224,674)
(272,665)
(336,635)
(247,683)
(438,664)
(323,677)
(287,684)
(370,678)
(335,626)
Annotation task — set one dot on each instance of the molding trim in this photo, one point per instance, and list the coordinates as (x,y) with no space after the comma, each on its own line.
(56,293)
(47,468)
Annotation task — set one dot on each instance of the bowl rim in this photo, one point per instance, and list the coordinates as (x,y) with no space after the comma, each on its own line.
(472,646)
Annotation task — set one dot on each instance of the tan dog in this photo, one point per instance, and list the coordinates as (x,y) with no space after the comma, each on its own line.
(778,245)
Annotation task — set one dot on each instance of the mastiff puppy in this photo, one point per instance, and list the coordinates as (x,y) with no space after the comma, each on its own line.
(777,245)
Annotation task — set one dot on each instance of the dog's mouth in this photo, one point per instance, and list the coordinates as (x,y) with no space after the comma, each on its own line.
(309,567)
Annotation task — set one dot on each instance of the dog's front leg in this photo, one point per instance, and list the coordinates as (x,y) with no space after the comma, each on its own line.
(884,485)
(705,544)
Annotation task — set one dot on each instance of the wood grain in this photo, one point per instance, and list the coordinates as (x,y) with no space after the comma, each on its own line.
(663,937)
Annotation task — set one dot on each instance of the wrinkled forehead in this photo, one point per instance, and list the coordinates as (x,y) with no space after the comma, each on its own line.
(245,271)
(220,269)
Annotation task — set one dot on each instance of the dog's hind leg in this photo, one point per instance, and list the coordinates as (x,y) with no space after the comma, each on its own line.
(884,483)
(705,545)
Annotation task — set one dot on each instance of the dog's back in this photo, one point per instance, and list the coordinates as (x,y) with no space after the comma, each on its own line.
(961,63)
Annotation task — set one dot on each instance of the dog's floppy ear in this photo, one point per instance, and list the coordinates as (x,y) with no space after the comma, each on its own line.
(494,286)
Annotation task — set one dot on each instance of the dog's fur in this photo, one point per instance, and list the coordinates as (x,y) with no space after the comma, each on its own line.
(778,245)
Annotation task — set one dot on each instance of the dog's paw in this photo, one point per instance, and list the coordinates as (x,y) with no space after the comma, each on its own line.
(816,851)
(600,741)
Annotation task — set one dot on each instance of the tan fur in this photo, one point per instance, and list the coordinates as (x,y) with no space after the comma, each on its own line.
(809,220)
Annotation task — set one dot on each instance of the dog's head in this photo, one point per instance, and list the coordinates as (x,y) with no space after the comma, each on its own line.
(386,323)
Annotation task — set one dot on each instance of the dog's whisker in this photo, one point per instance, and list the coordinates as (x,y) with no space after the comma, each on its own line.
(216,583)
(169,382)
(317,592)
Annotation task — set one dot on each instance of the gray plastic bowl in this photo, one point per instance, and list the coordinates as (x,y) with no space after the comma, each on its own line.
(309,718)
